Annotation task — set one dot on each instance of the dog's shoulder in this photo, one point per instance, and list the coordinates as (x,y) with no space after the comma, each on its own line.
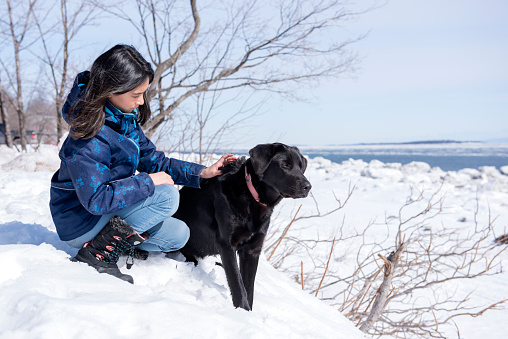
(232,168)
(228,172)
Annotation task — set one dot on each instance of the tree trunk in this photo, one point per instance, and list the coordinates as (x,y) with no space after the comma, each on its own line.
(19,100)
(5,119)
(59,100)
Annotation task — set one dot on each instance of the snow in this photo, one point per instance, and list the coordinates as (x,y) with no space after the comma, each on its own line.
(379,192)
(45,295)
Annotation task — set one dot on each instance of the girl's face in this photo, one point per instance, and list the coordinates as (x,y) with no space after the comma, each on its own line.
(131,100)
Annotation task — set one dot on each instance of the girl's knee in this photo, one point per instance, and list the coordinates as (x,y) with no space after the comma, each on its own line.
(181,235)
(168,198)
(170,236)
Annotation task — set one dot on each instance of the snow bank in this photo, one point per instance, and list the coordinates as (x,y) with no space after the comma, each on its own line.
(45,295)
(504,170)
(379,191)
(44,159)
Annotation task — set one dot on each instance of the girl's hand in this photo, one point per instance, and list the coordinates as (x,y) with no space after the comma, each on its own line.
(214,170)
(161,178)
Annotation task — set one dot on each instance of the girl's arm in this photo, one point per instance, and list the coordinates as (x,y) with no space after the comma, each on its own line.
(88,164)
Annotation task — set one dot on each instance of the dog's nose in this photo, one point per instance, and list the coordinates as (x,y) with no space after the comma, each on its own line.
(306,186)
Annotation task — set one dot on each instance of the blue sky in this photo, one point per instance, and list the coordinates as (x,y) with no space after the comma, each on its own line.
(430,70)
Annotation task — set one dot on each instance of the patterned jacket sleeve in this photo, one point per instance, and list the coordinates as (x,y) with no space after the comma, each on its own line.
(152,161)
(88,163)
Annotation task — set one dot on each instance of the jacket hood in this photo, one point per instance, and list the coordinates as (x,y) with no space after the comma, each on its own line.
(77,91)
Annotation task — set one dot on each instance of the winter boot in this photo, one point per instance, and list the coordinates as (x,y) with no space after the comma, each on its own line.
(103,251)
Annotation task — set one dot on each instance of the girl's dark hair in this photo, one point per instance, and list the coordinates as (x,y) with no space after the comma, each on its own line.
(118,70)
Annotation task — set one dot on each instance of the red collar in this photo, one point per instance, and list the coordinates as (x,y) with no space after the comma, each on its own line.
(252,190)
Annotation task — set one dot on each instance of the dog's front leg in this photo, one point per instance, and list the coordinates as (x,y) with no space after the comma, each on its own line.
(249,259)
(235,282)
(248,267)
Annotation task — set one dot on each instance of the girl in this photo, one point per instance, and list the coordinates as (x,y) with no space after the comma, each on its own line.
(114,190)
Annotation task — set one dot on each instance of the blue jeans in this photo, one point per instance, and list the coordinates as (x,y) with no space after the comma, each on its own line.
(153,215)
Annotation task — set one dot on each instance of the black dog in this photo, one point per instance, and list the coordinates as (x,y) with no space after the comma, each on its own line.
(230,214)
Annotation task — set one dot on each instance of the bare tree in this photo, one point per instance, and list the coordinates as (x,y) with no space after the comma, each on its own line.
(57,30)
(191,129)
(17,26)
(223,46)
(200,51)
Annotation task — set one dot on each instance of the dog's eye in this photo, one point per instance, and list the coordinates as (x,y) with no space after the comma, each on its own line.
(285,165)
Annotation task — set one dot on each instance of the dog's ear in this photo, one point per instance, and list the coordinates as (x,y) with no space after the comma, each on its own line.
(261,156)
(304,163)
(303,160)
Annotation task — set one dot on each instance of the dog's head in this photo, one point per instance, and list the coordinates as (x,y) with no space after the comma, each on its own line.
(281,167)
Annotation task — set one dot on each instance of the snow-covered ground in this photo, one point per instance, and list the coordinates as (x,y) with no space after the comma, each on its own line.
(380,190)
(44,295)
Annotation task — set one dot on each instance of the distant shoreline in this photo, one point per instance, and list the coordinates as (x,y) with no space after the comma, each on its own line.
(431,144)
(423,142)
(446,154)
(417,142)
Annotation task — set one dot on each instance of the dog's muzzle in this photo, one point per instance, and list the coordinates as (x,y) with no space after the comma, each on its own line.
(305,189)
(301,190)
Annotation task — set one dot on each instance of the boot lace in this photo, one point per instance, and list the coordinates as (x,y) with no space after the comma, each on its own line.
(114,252)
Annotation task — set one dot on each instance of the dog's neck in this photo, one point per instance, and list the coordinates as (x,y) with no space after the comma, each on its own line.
(251,188)
(264,194)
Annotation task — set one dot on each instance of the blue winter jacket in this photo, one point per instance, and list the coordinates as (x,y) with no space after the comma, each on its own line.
(98,175)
